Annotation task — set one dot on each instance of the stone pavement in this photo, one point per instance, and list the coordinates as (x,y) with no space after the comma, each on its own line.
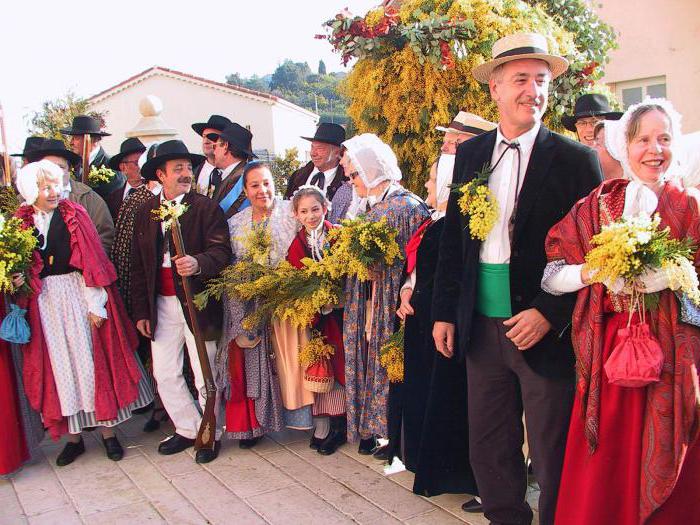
(280,481)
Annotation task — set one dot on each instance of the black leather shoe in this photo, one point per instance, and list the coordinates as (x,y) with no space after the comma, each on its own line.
(472,505)
(205,455)
(174,444)
(315,442)
(113,448)
(248,443)
(382,453)
(336,437)
(158,416)
(70,452)
(143,409)
(367,446)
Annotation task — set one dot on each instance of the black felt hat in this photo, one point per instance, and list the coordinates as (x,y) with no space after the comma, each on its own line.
(590,105)
(238,138)
(168,150)
(30,144)
(215,122)
(54,147)
(129,146)
(328,133)
(85,125)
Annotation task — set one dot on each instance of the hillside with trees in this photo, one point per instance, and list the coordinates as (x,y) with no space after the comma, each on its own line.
(295,81)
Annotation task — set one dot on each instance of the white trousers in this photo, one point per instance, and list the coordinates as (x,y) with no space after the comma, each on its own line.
(171,334)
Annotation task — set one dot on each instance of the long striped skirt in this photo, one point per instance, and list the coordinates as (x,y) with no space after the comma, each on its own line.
(64,320)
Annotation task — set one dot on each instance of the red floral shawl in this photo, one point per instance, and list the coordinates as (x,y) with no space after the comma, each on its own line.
(117,373)
(672,414)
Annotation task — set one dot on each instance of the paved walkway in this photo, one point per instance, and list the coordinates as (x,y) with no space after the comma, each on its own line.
(280,481)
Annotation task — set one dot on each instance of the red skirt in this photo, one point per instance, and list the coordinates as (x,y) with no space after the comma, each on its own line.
(240,409)
(603,488)
(13,447)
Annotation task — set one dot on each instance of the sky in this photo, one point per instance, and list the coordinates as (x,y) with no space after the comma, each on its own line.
(49,47)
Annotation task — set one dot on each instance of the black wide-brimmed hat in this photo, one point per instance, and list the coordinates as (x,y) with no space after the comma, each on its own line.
(590,105)
(85,125)
(328,133)
(168,150)
(215,122)
(237,137)
(129,146)
(53,147)
(30,144)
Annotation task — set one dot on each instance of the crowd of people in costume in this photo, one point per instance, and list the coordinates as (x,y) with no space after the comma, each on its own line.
(508,337)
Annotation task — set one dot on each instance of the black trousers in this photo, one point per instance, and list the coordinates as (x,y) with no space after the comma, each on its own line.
(501,385)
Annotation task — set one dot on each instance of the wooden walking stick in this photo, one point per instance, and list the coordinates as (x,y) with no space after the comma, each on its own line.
(207,429)
(6,174)
(87,148)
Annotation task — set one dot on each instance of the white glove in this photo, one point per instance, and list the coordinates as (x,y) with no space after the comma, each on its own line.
(652,281)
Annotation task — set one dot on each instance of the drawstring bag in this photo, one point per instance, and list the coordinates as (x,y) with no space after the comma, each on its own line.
(318,377)
(637,358)
(14,328)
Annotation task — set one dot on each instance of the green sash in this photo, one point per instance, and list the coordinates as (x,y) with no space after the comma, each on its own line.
(493,290)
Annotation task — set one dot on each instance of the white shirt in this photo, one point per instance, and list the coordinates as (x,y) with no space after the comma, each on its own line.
(203,178)
(94,152)
(329,177)
(166,252)
(496,248)
(127,187)
(227,171)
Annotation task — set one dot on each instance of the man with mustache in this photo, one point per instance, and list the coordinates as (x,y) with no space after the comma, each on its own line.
(514,337)
(157,298)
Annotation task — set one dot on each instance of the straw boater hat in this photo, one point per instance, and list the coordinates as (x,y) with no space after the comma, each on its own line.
(517,47)
(466,122)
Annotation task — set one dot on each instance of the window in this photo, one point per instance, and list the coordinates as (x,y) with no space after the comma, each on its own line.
(634,91)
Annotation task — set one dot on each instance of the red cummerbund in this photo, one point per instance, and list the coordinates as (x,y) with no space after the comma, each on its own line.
(166,282)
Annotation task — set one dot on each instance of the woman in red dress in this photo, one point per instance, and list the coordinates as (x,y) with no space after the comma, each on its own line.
(632,453)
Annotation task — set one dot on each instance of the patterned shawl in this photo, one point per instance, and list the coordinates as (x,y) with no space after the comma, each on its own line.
(123,235)
(672,413)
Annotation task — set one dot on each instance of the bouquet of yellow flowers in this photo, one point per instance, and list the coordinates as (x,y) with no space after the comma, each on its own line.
(477,202)
(627,248)
(17,244)
(9,201)
(358,246)
(101,175)
(169,211)
(251,267)
(391,356)
(315,357)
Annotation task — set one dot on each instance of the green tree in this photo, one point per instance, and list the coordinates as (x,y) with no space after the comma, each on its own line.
(58,113)
(321,67)
(283,167)
(289,76)
(414,62)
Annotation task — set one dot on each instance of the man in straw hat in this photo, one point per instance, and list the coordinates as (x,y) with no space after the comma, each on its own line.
(157,297)
(515,338)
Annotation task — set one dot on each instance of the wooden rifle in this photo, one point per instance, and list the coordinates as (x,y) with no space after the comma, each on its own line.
(207,429)
(87,148)
(6,174)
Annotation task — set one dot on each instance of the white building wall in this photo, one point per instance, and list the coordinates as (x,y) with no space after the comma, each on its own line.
(289,126)
(186,101)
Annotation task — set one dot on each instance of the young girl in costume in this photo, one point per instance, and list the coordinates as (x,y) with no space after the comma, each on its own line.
(310,209)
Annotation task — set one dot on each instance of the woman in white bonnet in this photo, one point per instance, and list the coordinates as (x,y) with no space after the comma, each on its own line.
(632,454)
(80,370)
(370,308)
